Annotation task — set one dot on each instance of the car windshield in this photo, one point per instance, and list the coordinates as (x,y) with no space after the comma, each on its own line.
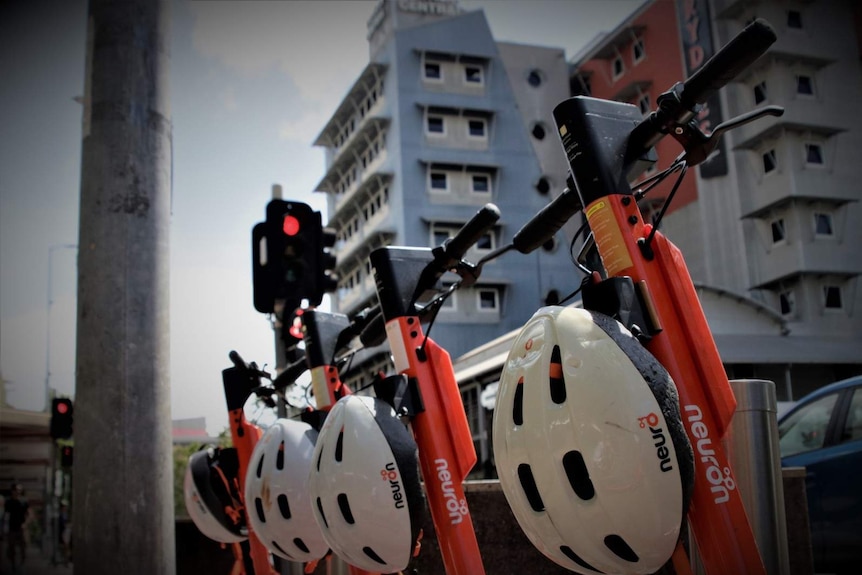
(853,427)
(805,429)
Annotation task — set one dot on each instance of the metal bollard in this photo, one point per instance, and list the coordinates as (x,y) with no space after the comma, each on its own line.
(752,447)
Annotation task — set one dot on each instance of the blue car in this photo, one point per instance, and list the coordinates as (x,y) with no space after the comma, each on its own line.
(823,433)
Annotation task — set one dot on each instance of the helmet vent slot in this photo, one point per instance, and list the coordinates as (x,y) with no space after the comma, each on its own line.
(344,505)
(555,377)
(322,514)
(260,466)
(622,550)
(370,552)
(279,457)
(282,551)
(518,404)
(528,484)
(283,506)
(301,544)
(567,551)
(258,505)
(319,457)
(339,445)
(579,476)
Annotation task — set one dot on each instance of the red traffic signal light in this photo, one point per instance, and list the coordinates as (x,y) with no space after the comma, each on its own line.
(61,418)
(290,226)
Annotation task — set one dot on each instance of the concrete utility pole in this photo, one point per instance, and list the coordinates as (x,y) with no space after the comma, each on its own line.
(123,473)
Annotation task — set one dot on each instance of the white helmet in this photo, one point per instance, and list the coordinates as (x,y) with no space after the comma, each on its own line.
(276,492)
(365,485)
(589,444)
(211,494)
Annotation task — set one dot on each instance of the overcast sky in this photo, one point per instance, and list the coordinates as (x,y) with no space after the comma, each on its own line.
(252,84)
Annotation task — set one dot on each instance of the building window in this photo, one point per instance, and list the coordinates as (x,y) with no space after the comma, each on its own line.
(538,131)
(787,302)
(832,297)
(476,128)
(543,186)
(638,52)
(534,78)
(769,161)
(580,85)
(481,183)
(486,242)
(439,236)
(644,104)
(804,85)
(439,181)
(813,155)
(473,74)
(760,92)
(433,71)
(617,67)
(794,19)
(823,225)
(450,302)
(488,299)
(435,125)
(778,234)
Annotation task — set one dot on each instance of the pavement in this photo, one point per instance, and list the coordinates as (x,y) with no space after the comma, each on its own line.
(36,564)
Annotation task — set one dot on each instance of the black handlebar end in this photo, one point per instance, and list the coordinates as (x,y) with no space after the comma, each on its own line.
(728,62)
(236,359)
(541,227)
(468,235)
(374,332)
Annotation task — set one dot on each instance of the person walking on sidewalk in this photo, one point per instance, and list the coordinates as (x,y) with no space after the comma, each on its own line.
(17,514)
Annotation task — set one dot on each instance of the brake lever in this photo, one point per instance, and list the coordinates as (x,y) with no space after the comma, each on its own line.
(698,146)
(468,272)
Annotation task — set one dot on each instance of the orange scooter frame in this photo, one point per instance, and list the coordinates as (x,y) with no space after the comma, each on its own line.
(446,451)
(438,422)
(684,345)
(245,436)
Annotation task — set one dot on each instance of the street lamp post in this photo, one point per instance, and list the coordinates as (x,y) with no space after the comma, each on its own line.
(52,495)
(48,322)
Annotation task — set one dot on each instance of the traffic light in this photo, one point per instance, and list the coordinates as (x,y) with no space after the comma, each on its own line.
(285,254)
(61,418)
(66,456)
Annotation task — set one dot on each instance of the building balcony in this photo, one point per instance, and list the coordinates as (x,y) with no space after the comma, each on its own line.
(353,300)
(802,117)
(353,262)
(349,160)
(368,229)
(368,87)
(790,261)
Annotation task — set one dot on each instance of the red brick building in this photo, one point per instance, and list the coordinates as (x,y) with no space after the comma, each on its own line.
(635,63)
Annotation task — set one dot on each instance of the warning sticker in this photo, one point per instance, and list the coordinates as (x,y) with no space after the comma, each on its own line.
(609,238)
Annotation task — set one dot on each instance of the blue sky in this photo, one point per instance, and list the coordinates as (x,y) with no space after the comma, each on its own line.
(252,84)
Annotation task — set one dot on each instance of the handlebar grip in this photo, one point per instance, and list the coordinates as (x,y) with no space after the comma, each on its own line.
(363,318)
(728,62)
(547,221)
(237,360)
(374,332)
(290,373)
(470,233)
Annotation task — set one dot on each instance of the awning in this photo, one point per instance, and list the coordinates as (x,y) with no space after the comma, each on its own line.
(788,349)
